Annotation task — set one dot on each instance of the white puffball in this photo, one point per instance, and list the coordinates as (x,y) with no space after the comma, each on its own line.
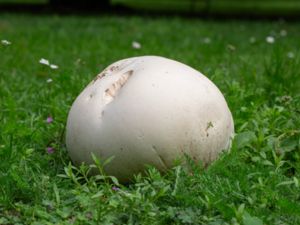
(148,110)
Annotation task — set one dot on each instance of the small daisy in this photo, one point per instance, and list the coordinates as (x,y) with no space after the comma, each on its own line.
(270,39)
(49,119)
(290,55)
(54,67)
(44,62)
(49,80)
(50,150)
(114,188)
(206,40)
(231,47)
(252,40)
(283,33)
(5,42)
(136,45)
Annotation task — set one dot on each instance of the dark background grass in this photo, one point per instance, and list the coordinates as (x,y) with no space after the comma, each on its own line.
(196,8)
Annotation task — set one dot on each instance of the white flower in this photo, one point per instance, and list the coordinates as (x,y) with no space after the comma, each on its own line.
(283,33)
(270,39)
(49,80)
(5,42)
(44,62)
(136,45)
(252,40)
(206,40)
(290,55)
(231,47)
(54,67)
(47,63)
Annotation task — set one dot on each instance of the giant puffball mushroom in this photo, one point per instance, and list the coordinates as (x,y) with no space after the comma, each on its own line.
(148,110)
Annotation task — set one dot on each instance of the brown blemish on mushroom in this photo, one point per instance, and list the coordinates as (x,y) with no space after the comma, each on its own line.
(113,68)
(91,95)
(113,90)
(209,125)
(105,72)
(99,76)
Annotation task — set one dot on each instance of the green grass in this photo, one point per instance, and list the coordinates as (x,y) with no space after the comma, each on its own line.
(256,183)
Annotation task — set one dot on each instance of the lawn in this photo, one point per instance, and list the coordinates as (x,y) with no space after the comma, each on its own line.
(255,64)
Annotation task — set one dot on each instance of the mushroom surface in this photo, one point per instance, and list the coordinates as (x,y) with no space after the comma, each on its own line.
(148,110)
